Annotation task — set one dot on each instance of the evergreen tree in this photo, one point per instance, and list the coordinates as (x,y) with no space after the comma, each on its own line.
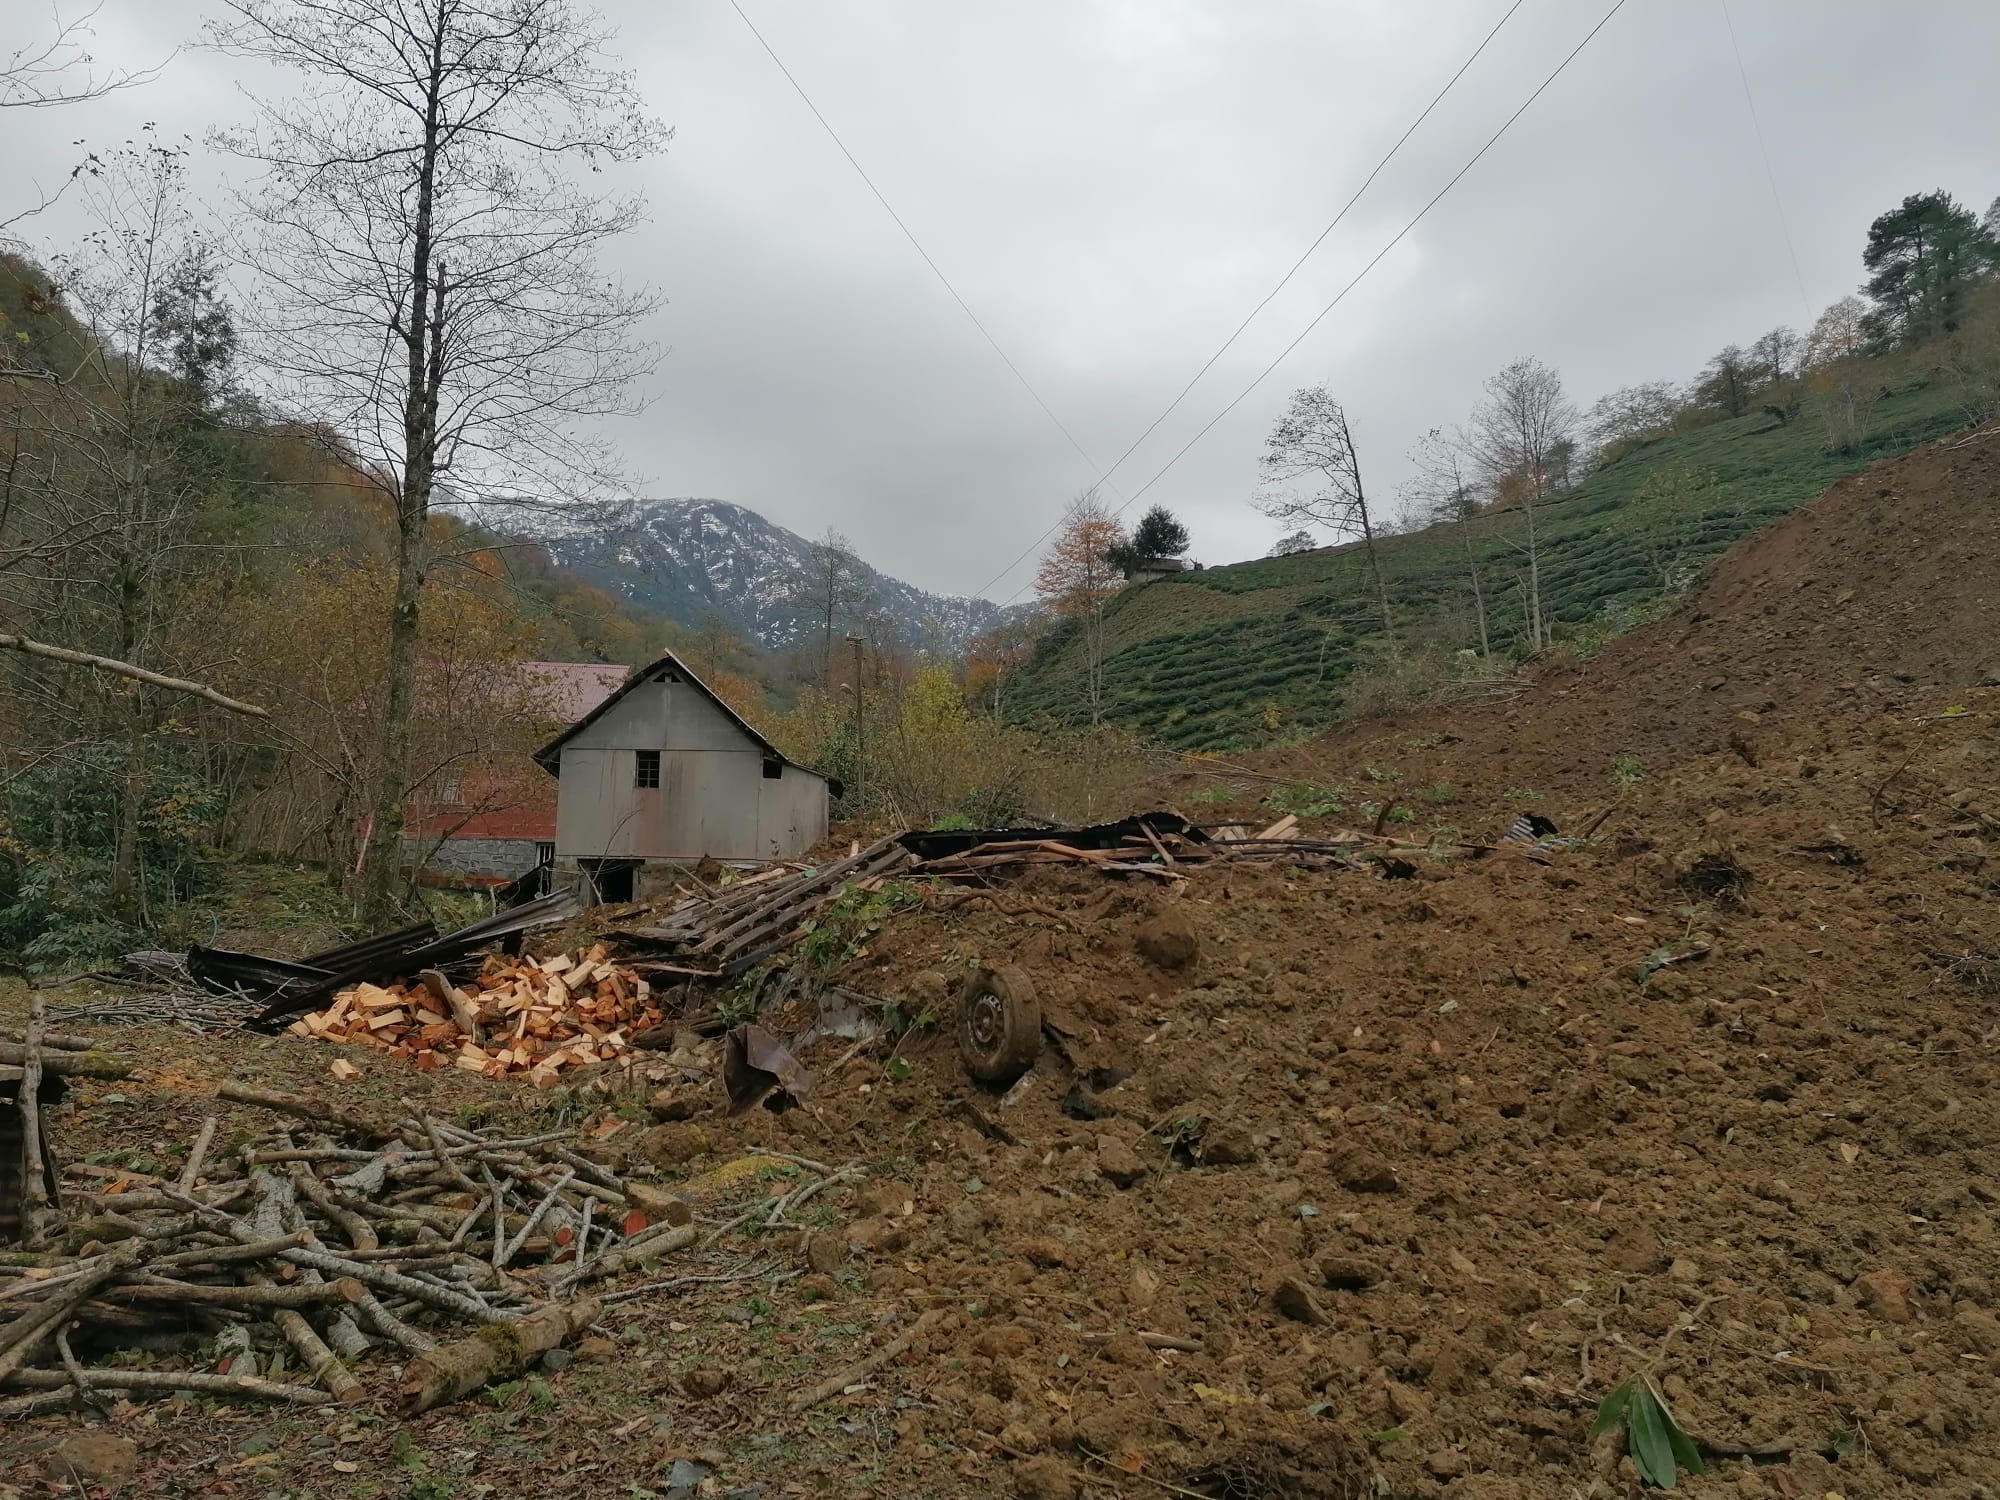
(1923,258)
(1159,534)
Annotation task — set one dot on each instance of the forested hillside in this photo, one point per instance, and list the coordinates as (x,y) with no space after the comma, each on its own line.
(153,514)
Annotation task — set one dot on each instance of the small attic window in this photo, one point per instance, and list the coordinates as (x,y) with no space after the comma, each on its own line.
(773,768)
(645,768)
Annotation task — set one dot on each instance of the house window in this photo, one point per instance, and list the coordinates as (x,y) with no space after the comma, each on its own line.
(774,769)
(446,791)
(646,768)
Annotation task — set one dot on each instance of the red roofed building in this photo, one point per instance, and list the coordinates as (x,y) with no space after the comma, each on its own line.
(487,821)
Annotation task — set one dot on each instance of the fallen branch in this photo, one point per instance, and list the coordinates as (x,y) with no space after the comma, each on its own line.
(301,1107)
(854,1374)
(494,1353)
(169,1380)
(137,674)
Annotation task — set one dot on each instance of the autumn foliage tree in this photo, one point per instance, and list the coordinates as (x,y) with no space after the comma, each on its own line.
(1077,578)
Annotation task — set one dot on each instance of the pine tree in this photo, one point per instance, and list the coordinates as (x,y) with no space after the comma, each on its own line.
(1923,258)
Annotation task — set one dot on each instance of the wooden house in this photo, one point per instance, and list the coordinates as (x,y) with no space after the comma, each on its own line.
(664,773)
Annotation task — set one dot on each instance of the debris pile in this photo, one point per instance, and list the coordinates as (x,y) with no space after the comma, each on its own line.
(517,1017)
(300,1254)
(717,934)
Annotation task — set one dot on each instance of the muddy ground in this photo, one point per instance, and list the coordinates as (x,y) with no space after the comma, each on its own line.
(1387,1188)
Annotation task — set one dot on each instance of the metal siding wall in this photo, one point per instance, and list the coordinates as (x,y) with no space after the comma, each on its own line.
(791,814)
(593,803)
(712,798)
(663,716)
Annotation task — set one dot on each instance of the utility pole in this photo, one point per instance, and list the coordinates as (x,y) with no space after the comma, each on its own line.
(860,756)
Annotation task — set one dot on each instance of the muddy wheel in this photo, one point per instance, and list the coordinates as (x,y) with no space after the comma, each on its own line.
(999,1025)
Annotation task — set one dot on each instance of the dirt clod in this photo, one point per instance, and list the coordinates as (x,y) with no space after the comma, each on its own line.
(703,1382)
(1118,1162)
(1228,1146)
(1361,1170)
(100,1457)
(1295,1300)
(825,1253)
(1169,939)
(1349,1273)
(1044,1478)
(1889,1294)
(674,1145)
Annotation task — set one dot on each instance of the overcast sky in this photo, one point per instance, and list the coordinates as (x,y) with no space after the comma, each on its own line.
(1112,184)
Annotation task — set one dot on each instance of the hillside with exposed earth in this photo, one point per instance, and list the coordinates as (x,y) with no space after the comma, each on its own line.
(1349,1182)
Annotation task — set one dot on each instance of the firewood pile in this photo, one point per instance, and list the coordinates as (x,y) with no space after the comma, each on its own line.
(518,1017)
(269,1273)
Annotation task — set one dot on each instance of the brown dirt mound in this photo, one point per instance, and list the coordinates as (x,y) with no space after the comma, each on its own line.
(1391,1185)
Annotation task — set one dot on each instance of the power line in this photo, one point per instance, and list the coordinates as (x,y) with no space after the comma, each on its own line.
(1771,177)
(1341,296)
(1283,282)
(936,270)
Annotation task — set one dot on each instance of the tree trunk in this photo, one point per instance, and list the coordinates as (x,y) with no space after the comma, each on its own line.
(1472,568)
(1537,630)
(423,332)
(125,849)
(1381,586)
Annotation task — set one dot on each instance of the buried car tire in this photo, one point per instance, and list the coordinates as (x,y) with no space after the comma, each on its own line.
(999,1025)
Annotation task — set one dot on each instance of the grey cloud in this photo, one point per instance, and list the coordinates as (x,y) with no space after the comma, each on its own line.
(1112,184)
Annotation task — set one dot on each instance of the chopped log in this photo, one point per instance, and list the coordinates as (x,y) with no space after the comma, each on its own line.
(496,1352)
(296,1294)
(320,1362)
(107,1066)
(198,1153)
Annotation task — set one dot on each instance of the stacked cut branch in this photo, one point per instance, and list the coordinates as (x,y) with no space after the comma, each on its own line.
(720,933)
(518,1017)
(272,1273)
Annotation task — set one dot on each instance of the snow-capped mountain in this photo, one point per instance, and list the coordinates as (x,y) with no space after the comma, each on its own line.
(687,559)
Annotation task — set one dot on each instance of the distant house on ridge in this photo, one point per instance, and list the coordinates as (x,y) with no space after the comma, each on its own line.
(1151,569)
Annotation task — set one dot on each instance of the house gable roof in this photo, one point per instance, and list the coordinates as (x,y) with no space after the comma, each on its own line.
(549,757)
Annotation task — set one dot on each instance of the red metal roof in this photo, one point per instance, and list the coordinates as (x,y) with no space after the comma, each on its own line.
(572,688)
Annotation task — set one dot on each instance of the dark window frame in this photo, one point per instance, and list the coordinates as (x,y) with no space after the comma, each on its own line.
(646,769)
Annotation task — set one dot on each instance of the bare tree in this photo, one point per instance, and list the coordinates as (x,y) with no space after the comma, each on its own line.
(832,587)
(1514,433)
(1312,475)
(1631,413)
(57,68)
(1442,491)
(1777,355)
(437,298)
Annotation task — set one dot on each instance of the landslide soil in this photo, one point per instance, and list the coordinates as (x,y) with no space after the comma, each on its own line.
(1388,1188)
